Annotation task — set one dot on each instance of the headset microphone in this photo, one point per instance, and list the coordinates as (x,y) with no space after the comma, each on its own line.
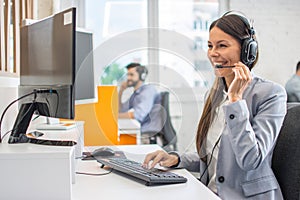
(222,66)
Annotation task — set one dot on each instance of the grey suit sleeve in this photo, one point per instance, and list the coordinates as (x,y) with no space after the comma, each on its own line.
(253,138)
(190,161)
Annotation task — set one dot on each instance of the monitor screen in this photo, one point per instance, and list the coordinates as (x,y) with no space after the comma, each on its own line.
(84,79)
(47,72)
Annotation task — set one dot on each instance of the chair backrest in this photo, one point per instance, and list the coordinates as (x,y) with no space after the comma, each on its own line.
(292,98)
(286,155)
(168,132)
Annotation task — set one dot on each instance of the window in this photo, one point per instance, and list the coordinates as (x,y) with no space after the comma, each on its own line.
(187,21)
(170,37)
(11,14)
(112,22)
(173,21)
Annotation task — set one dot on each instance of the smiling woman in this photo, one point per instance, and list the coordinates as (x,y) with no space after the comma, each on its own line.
(240,121)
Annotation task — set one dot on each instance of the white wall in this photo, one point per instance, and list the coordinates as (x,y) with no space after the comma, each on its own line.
(8,94)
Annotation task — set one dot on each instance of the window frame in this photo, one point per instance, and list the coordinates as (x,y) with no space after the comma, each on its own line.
(10,23)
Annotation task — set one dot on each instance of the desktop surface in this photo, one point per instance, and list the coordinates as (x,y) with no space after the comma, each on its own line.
(128,124)
(118,186)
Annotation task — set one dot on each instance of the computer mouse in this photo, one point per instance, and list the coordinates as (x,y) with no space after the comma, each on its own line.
(103,151)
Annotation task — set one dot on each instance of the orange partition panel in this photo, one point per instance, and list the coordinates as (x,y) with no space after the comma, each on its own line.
(127,139)
(101,118)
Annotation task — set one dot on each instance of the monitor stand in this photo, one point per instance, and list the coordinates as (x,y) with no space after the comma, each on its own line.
(18,134)
(55,124)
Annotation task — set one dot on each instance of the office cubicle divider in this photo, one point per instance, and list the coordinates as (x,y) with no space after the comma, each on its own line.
(101,118)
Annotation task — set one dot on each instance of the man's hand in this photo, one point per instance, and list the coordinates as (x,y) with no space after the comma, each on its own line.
(123,86)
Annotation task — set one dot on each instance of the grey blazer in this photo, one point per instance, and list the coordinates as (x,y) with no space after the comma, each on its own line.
(246,147)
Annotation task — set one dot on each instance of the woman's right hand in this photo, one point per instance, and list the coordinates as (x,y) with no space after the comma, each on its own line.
(242,78)
(160,157)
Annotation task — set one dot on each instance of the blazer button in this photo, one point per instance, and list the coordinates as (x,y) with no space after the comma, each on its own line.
(231,116)
(221,179)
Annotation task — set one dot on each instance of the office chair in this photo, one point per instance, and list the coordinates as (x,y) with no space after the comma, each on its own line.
(167,133)
(286,155)
(292,98)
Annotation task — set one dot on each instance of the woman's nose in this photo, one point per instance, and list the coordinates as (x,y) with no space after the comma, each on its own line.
(213,52)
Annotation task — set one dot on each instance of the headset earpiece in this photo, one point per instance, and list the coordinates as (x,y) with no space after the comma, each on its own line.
(249,46)
(143,72)
(249,51)
(143,76)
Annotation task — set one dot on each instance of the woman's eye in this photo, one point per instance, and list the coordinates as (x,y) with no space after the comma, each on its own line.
(223,45)
(209,46)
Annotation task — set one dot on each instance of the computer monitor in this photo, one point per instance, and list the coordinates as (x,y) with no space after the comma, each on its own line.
(47,72)
(85,90)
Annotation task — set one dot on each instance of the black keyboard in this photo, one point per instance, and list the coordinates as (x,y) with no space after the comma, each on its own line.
(150,176)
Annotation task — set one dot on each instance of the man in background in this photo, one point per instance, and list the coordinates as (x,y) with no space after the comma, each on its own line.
(143,105)
(293,86)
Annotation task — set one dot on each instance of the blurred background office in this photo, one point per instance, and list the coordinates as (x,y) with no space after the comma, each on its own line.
(169,36)
(292,86)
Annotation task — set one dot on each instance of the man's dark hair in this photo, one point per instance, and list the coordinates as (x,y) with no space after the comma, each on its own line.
(132,65)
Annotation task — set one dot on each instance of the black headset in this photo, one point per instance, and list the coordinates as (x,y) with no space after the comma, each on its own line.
(249,45)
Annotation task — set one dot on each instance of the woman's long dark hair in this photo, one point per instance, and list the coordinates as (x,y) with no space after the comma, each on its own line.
(233,25)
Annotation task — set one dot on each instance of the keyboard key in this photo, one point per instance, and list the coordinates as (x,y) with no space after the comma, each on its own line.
(150,176)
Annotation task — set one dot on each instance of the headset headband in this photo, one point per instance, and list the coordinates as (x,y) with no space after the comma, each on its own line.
(247,22)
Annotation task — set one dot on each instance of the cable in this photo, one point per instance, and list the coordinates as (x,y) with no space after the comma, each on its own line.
(57,103)
(7,133)
(19,122)
(36,117)
(91,174)
(210,158)
(35,92)
(48,103)
(5,110)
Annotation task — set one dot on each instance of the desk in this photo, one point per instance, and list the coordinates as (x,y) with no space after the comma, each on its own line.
(76,134)
(30,171)
(40,171)
(129,127)
(115,187)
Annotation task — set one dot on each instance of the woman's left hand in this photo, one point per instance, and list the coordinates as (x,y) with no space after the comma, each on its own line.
(240,82)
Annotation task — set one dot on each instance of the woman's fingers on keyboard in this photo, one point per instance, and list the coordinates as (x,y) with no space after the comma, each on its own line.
(155,157)
(159,157)
(170,161)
